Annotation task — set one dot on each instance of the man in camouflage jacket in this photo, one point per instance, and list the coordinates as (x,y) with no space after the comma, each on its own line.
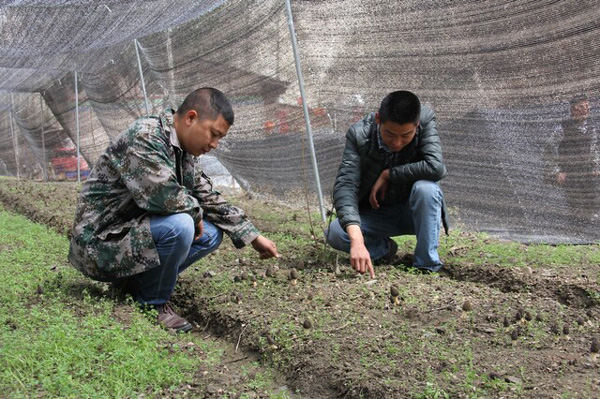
(387,185)
(147,211)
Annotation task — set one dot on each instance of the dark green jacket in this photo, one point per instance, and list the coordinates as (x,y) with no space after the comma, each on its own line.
(363,161)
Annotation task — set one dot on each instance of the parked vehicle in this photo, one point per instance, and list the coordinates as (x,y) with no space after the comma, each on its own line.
(64,164)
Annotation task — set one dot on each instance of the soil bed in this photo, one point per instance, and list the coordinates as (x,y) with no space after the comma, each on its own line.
(526,331)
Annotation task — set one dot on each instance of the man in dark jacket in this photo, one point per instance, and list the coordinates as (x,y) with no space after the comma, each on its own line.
(387,185)
(147,211)
(578,162)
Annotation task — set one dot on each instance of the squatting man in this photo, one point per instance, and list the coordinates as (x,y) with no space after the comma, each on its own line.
(147,211)
(387,185)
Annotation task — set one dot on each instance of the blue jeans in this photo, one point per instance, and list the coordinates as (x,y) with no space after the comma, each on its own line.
(174,239)
(420,215)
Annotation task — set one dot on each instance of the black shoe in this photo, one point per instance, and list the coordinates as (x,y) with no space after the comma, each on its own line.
(406,260)
(124,286)
(390,257)
(418,270)
(445,272)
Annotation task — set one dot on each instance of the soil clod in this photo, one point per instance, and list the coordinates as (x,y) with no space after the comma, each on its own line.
(594,349)
(293,276)
(270,272)
(394,295)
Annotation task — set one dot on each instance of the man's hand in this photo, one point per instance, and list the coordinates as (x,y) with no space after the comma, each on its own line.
(265,247)
(360,259)
(379,188)
(199,230)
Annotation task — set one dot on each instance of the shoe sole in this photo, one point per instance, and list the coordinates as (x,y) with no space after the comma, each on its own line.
(185,328)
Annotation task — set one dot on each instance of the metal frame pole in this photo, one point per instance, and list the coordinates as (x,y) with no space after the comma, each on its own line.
(305,107)
(44,165)
(77,129)
(139,61)
(14,136)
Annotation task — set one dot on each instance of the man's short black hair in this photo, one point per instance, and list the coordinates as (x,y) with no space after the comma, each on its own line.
(401,107)
(209,103)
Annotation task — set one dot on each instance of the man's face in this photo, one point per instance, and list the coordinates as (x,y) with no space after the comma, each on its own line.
(396,136)
(199,136)
(580,111)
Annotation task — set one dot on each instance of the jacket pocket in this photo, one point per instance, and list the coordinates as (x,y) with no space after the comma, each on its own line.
(115,233)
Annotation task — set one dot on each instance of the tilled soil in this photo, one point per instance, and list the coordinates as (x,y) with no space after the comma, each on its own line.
(474,331)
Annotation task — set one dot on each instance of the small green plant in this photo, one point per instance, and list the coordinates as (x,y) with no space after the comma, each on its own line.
(432,391)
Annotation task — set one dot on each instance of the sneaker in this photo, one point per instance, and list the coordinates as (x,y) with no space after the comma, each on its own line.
(171,320)
(390,257)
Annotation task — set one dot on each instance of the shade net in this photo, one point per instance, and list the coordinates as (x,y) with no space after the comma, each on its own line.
(515,87)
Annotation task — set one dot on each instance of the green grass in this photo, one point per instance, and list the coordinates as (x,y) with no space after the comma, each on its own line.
(479,250)
(49,350)
(60,337)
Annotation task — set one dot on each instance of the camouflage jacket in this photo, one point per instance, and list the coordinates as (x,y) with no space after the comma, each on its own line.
(144,172)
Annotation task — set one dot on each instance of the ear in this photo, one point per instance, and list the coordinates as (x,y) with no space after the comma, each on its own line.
(377,118)
(190,116)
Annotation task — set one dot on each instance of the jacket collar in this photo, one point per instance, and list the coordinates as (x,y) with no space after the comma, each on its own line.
(374,150)
(166,119)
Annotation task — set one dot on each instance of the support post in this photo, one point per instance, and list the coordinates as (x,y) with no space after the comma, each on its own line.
(77,129)
(14,136)
(44,163)
(171,73)
(305,108)
(139,61)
